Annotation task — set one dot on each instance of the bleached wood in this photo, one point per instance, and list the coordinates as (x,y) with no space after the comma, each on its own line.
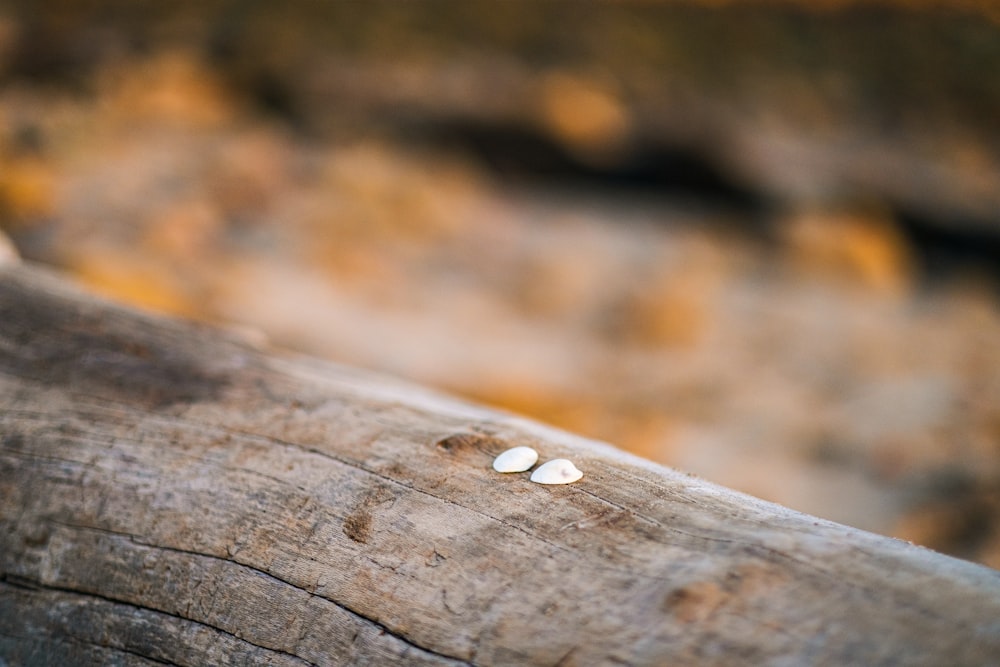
(170,495)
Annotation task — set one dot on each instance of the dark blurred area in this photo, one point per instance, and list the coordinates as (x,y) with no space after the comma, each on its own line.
(758,241)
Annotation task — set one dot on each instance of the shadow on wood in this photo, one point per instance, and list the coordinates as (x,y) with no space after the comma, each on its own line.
(169,495)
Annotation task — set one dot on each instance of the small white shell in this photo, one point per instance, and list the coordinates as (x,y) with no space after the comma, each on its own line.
(517,459)
(556,471)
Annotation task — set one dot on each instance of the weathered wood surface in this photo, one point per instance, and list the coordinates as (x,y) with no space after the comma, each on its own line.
(169,495)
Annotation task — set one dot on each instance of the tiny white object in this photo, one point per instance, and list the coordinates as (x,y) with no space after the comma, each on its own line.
(516,459)
(556,471)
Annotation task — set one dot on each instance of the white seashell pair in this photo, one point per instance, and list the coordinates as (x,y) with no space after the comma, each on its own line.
(519,459)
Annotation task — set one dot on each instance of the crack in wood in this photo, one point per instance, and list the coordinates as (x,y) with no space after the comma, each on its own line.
(359,615)
(43,586)
(79,642)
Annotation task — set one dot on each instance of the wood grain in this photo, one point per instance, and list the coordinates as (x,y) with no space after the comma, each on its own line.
(170,495)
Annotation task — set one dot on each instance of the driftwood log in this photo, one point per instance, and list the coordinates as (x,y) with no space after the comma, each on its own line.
(172,495)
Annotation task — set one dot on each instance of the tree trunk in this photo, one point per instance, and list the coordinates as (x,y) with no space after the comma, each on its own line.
(172,495)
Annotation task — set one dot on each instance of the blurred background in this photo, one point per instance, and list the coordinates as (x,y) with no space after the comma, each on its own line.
(757,241)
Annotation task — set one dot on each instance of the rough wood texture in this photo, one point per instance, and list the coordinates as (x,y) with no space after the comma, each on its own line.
(172,496)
